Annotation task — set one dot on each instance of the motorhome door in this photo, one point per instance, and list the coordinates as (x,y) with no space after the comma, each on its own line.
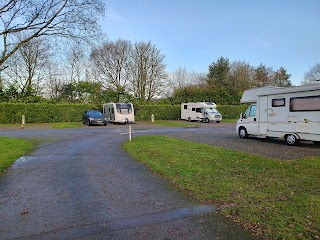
(249,120)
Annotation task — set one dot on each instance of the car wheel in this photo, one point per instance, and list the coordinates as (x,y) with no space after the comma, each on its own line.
(189,119)
(88,123)
(316,142)
(243,133)
(207,120)
(292,140)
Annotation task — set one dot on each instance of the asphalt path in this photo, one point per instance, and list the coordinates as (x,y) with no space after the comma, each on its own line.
(80,184)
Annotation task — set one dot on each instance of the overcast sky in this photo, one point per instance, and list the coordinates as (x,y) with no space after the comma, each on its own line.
(194,34)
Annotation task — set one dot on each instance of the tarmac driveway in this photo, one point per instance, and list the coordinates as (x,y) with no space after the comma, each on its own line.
(79,184)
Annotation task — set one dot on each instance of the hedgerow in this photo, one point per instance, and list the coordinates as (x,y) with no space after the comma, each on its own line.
(42,112)
(45,112)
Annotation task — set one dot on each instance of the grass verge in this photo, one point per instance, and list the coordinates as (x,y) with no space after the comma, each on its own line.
(272,198)
(11,150)
(172,123)
(67,125)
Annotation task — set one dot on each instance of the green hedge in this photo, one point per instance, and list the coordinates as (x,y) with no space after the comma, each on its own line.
(172,112)
(44,112)
(161,112)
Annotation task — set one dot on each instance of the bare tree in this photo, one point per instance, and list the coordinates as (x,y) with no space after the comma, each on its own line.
(182,78)
(76,66)
(77,19)
(312,76)
(26,68)
(147,71)
(111,62)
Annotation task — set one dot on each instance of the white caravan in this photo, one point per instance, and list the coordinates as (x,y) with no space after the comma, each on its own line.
(119,112)
(200,111)
(292,113)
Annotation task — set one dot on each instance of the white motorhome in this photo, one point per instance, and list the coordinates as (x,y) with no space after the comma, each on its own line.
(292,113)
(119,112)
(200,111)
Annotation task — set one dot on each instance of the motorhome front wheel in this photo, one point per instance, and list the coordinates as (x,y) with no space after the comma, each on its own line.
(243,133)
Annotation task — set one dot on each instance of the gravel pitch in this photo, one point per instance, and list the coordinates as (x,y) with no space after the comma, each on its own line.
(224,135)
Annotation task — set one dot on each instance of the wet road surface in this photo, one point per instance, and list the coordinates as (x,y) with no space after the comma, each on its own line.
(79,184)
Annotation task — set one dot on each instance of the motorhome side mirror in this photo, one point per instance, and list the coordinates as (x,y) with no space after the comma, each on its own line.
(241,115)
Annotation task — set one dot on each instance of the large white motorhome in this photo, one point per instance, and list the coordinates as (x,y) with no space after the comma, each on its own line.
(200,111)
(292,113)
(119,112)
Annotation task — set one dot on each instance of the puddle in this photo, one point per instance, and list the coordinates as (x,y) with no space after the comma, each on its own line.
(21,160)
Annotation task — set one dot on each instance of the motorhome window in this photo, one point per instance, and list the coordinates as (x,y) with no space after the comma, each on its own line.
(185,106)
(253,111)
(212,110)
(278,102)
(193,109)
(198,110)
(299,104)
(124,108)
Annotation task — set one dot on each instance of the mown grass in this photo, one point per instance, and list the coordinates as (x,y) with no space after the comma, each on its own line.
(274,199)
(67,125)
(10,150)
(172,123)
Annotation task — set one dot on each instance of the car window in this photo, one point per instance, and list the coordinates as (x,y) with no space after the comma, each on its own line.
(95,114)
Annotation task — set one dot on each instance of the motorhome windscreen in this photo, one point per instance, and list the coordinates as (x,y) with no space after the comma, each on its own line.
(211,110)
(299,104)
(124,108)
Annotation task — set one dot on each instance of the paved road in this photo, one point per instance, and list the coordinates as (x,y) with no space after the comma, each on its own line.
(79,184)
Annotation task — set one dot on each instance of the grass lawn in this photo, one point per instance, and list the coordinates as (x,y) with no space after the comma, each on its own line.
(67,125)
(11,150)
(272,198)
(173,123)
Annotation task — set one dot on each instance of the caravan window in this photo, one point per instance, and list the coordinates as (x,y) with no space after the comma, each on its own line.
(198,110)
(311,103)
(193,109)
(124,108)
(278,102)
(185,106)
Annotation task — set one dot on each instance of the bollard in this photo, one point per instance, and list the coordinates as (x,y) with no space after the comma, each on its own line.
(23,122)
(129,132)
(152,117)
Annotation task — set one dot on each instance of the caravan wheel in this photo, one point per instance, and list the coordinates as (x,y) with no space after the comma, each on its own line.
(189,119)
(292,140)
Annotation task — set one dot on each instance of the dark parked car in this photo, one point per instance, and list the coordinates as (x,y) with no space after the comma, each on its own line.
(93,117)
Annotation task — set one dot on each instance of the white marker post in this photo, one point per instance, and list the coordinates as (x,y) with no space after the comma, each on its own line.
(129,132)
(23,121)
(152,118)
